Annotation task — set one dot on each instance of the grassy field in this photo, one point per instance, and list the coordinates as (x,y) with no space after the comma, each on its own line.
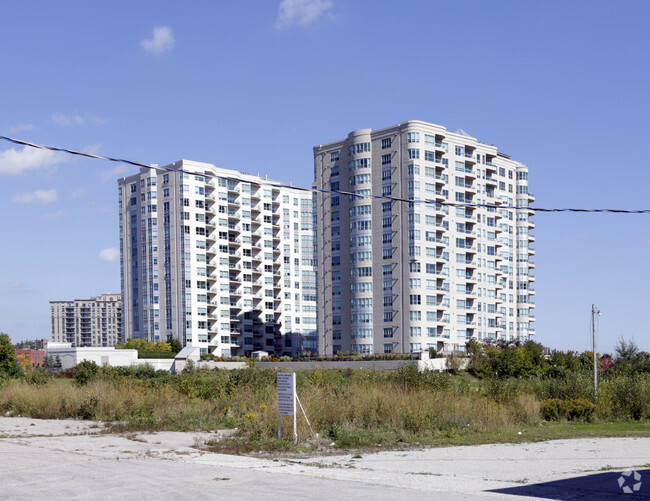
(347,409)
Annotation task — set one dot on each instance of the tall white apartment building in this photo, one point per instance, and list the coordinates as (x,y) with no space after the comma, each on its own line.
(406,276)
(93,322)
(217,259)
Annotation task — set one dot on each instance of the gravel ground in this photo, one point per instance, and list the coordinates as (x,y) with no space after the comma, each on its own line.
(77,460)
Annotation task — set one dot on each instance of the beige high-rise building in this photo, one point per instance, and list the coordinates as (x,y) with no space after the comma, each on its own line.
(405,276)
(93,322)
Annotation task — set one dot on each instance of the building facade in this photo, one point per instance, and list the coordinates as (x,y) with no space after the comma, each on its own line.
(404,276)
(217,259)
(93,322)
(30,358)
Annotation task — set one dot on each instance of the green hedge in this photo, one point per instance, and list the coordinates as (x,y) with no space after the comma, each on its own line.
(156,354)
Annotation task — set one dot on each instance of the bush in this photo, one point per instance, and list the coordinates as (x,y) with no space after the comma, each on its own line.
(575,409)
(630,396)
(503,359)
(38,376)
(156,354)
(86,372)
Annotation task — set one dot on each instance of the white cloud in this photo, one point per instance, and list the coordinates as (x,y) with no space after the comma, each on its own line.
(67,120)
(301,12)
(72,120)
(16,287)
(114,173)
(40,196)
(93,149)
(13,129)
(78,193)
(15,161)
(51,216)
(109,254)
(161,41)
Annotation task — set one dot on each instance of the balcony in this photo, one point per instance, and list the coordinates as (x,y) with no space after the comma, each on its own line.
(490,180)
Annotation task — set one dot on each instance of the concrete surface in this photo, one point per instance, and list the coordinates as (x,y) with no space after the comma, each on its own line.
(41,459)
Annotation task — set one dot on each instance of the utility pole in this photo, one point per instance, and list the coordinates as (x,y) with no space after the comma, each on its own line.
(594,312)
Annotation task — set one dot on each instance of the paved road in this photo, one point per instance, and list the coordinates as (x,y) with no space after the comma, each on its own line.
(42,459)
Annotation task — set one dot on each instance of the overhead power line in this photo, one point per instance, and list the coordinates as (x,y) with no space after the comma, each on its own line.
(321,190)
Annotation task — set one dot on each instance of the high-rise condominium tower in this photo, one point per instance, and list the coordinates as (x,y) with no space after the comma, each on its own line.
(404,276)
(217,259)
(93,322)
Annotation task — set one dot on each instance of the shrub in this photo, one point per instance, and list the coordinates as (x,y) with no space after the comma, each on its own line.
(575,409)
(38,376)
(630,396)
(86,372)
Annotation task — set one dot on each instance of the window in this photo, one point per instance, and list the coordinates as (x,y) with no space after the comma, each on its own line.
(360,179)
(386,159)
(334,156)
(413,137)
(359,148)
(413,153)
(359,164)
(386,143)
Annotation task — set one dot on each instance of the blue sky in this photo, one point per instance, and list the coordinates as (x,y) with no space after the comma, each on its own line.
(253,85)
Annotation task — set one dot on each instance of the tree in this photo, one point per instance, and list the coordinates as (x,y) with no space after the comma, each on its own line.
(175,344)
(142,345)
(48,362)
(9,365)
(86,372)
(629,359)
(626,351)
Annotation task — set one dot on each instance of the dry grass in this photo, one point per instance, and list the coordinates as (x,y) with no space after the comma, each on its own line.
(348,408)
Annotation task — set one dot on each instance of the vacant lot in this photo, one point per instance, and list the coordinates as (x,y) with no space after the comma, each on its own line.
(66,459)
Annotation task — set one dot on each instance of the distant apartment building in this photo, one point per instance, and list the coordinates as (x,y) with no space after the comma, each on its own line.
(452,262)
(93,322)
(217,259)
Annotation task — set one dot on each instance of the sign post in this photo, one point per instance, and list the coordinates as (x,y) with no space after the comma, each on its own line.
(287,401)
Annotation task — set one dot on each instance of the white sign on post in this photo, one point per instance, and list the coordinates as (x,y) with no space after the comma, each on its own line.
(287,400)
